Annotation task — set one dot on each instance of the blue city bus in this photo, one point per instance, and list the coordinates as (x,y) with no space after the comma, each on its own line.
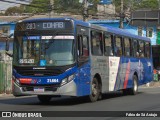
(67,57)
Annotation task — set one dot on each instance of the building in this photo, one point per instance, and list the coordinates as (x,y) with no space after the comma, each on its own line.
(147,23)
(106,7)
(7,26)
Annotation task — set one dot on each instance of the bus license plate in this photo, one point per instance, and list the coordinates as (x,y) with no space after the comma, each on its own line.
(37,89)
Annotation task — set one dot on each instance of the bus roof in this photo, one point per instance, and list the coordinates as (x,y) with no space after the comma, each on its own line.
(110,29)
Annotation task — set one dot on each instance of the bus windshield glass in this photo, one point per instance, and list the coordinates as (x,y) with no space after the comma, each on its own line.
(43,50)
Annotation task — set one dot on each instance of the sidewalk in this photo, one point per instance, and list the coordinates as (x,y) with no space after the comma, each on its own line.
(5,95)
(152,84)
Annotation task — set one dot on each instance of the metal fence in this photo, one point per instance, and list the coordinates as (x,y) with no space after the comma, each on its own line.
(5,74)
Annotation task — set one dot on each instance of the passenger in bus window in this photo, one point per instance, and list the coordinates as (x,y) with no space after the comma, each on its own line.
(119,52)
(141,53)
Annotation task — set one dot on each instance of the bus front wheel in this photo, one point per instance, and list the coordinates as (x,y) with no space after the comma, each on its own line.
(95,90)
(44,98)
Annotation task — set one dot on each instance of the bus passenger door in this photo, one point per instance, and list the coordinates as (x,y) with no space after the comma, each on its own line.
(83,62)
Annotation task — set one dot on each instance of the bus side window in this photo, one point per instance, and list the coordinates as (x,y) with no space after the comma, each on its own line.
(83,47)
(147,49)
(118,46)
(141,48)
(79,45)
(135,48)
(108,50)
(127,45)
(97,43)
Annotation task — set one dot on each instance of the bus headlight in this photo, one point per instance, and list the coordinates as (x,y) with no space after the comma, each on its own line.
(67,80)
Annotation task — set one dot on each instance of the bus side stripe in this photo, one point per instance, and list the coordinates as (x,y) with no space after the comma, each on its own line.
(127,75)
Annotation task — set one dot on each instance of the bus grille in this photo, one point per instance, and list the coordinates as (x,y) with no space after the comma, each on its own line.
(43,72)
(46,88)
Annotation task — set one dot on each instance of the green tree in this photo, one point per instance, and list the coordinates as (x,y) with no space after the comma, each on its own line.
(118,4)
(38,6)
(67,6)
(136,4)
(73,6)
(146,4)
(14,10)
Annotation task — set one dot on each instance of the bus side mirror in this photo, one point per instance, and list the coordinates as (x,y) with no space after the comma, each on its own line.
(7,45)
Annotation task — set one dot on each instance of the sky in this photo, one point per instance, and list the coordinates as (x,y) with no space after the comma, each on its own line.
(5,5)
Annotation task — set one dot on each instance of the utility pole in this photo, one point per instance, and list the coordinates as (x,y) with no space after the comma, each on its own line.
(85,10)
(51,12)
(121,15)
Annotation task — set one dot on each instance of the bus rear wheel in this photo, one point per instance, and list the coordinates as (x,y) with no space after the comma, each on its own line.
(44,98)
(95,90)
(134,89)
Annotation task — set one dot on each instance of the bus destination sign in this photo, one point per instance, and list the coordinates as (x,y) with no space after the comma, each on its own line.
(45,25)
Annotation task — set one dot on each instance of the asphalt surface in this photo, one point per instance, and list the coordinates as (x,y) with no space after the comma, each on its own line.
(147,100)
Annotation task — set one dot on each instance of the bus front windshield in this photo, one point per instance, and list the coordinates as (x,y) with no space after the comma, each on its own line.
(43,50)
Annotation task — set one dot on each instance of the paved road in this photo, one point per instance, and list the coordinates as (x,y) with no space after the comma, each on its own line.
(148,99)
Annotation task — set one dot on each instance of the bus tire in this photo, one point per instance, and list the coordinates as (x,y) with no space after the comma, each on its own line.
(95,90)
(44,98)
(134,90)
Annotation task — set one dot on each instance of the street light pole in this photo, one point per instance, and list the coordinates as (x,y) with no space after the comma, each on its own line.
(85,10)
(121,15)
(51,12)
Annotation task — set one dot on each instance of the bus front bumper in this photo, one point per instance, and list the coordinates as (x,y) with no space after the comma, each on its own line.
(68,89)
